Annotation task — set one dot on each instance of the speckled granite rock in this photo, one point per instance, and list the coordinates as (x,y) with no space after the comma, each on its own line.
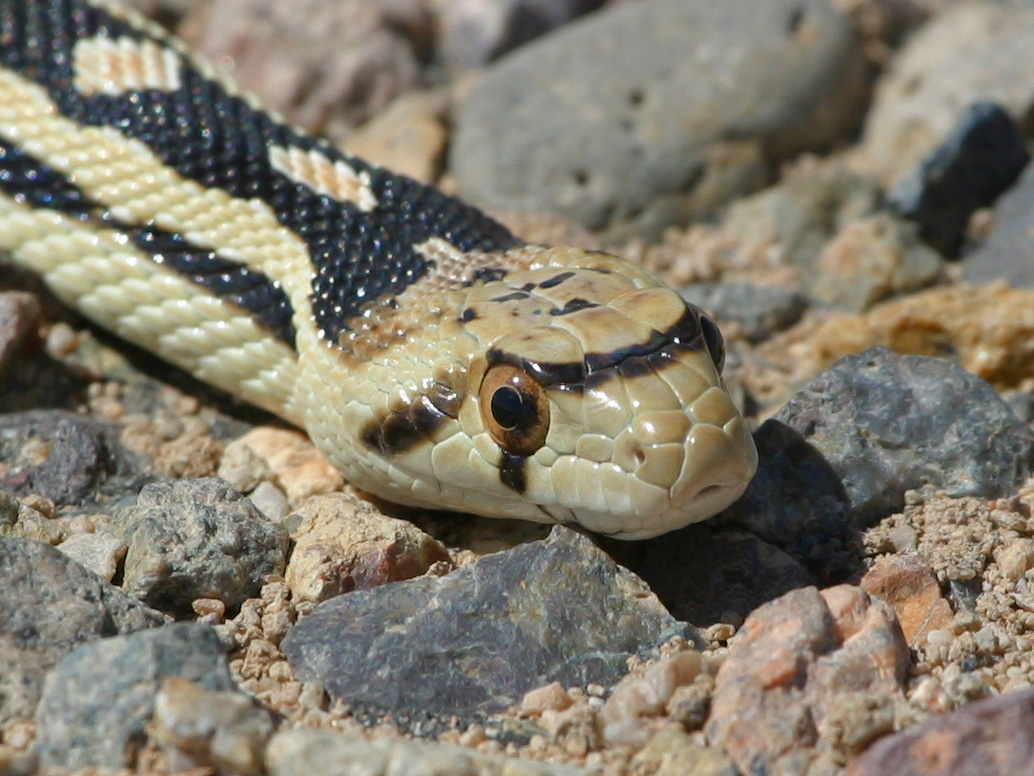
(475,640)
(887,423)
(609,119)
(197,539)
(797,673)
(991,738)
(329,753)
(51,605)
(97,702)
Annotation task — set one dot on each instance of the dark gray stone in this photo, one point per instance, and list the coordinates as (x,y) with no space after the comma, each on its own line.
(83,457)
(887,423)
(51,605)
(475,640)
(761,311)
(657,112)
(797,502)
(471,33)
(197,538)
(98,701)
(704,574)
(981,158)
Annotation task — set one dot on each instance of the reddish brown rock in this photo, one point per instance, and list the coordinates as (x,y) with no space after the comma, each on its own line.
(909,585)
(994,737)
(793,666)
(344,544)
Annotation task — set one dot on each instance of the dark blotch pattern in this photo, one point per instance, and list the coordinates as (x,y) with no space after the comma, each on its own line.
(574,305)
(556,280)
(513,472)
(516,296)
(488,275)
(216,139)
(403,427)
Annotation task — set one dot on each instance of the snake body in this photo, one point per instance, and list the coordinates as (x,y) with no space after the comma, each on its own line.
(436,359)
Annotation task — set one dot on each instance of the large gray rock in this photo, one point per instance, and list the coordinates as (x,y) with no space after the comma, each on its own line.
(97,702)
(51,605)
(477,639)
(194,539)
(657,111)
(886,423)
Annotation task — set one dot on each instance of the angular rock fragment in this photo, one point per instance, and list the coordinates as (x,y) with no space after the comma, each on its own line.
(887,423)
(982,157)
(476,640)
(795,673)
(98,701)
(49,607)
(194,539)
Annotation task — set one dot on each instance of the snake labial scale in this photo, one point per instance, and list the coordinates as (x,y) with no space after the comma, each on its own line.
(435,358)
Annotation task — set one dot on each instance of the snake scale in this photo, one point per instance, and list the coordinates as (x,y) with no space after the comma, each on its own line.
(432,356)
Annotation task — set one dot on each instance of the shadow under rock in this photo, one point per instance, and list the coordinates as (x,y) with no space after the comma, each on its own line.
(788,530)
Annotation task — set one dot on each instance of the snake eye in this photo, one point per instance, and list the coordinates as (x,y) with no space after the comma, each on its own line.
(715,342)
(514,409)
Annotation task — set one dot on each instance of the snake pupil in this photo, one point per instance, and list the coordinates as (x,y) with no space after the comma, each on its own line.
(509,408)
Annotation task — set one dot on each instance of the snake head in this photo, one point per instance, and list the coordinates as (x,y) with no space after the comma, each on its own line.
(610,413)
(575,390)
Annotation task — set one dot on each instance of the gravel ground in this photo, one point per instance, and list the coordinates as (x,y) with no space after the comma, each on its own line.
(191,587)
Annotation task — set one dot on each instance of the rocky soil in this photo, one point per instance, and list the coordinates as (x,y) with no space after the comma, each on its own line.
(190,587)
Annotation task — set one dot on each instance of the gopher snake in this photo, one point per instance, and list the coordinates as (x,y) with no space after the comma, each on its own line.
(437,360)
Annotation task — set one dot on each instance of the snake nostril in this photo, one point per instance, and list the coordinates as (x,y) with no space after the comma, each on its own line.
(638,456)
